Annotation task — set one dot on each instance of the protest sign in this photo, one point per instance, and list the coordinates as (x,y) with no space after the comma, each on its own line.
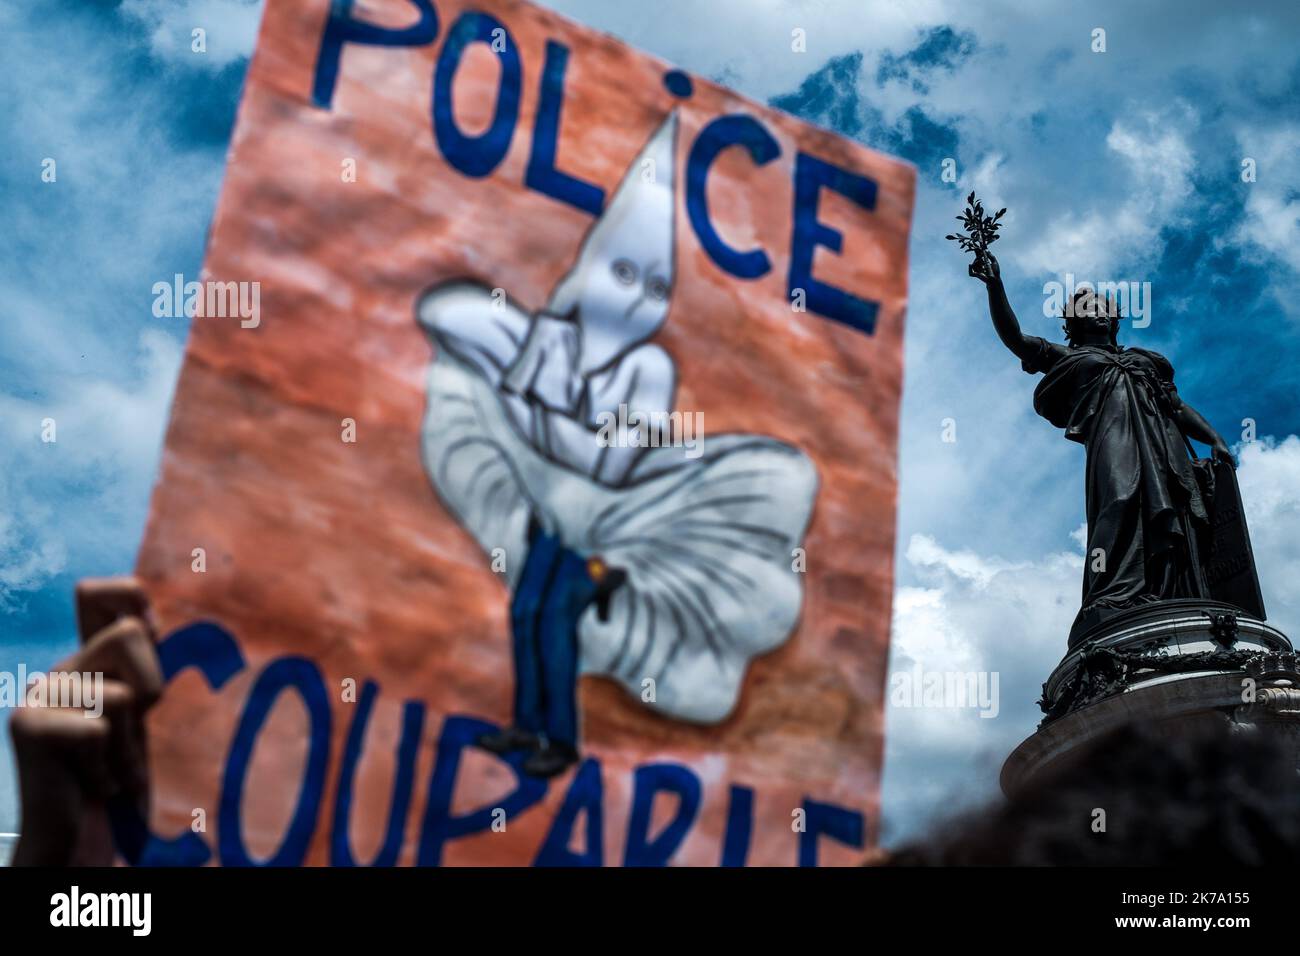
(529,490)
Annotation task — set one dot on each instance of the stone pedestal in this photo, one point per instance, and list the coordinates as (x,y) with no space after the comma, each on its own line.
(1167,664)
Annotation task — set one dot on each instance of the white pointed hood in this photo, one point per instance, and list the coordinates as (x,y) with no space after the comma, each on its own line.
(621,281)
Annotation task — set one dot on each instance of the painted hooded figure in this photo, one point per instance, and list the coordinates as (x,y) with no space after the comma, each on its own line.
(664,569)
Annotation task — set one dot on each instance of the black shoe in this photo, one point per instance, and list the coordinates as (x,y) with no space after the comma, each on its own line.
(508,740)
(549,759)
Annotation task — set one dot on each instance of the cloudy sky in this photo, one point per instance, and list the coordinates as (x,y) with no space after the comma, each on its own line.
(1117,165)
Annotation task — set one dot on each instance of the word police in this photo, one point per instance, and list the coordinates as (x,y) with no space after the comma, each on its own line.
(477,156)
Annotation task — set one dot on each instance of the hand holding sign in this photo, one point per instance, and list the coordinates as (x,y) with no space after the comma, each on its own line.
(74,762)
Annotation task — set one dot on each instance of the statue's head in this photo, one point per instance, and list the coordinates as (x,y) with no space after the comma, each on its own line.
(619,286)
(1091,319)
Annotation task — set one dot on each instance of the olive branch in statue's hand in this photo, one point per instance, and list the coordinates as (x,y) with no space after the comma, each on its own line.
(980,232)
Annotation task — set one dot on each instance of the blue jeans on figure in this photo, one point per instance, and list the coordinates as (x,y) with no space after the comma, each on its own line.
(554,590)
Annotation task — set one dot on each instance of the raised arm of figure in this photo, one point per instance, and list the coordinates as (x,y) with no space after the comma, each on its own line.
(986,269)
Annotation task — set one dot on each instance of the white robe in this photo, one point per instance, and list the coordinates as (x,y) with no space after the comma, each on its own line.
(707,542)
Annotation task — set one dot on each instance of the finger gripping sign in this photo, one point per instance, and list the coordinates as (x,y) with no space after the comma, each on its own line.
(548,505)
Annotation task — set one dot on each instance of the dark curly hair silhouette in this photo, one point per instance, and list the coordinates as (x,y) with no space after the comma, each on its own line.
(1217,794)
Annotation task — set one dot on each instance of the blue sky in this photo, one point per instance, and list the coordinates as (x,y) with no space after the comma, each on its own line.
(1116,165)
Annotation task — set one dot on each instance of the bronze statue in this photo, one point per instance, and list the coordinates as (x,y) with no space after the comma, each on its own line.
(1153,532)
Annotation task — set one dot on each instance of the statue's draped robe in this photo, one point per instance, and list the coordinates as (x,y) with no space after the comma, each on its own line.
(1143,503)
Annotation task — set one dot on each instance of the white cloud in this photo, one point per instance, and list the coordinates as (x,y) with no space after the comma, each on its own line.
(26,562)
(230,28)
(972,614)
(1269,476)
(107,436)
(1153,185)
(747,43)
(1270,229)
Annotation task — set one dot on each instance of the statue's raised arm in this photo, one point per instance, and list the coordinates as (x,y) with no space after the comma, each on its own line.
(986,269)
(979,231)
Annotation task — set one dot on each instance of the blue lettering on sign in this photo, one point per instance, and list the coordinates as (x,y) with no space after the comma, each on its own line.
(846,826)
(810,175)
(740,823)
(285,673)
(407,750)
(678,84)
(439,823)
(477,156)
(584,796)
(211,650)
(215,653)
(542,174)
(648,781)
(713,139)
(340,28)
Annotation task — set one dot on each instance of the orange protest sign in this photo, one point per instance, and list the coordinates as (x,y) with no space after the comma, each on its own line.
(529,490)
